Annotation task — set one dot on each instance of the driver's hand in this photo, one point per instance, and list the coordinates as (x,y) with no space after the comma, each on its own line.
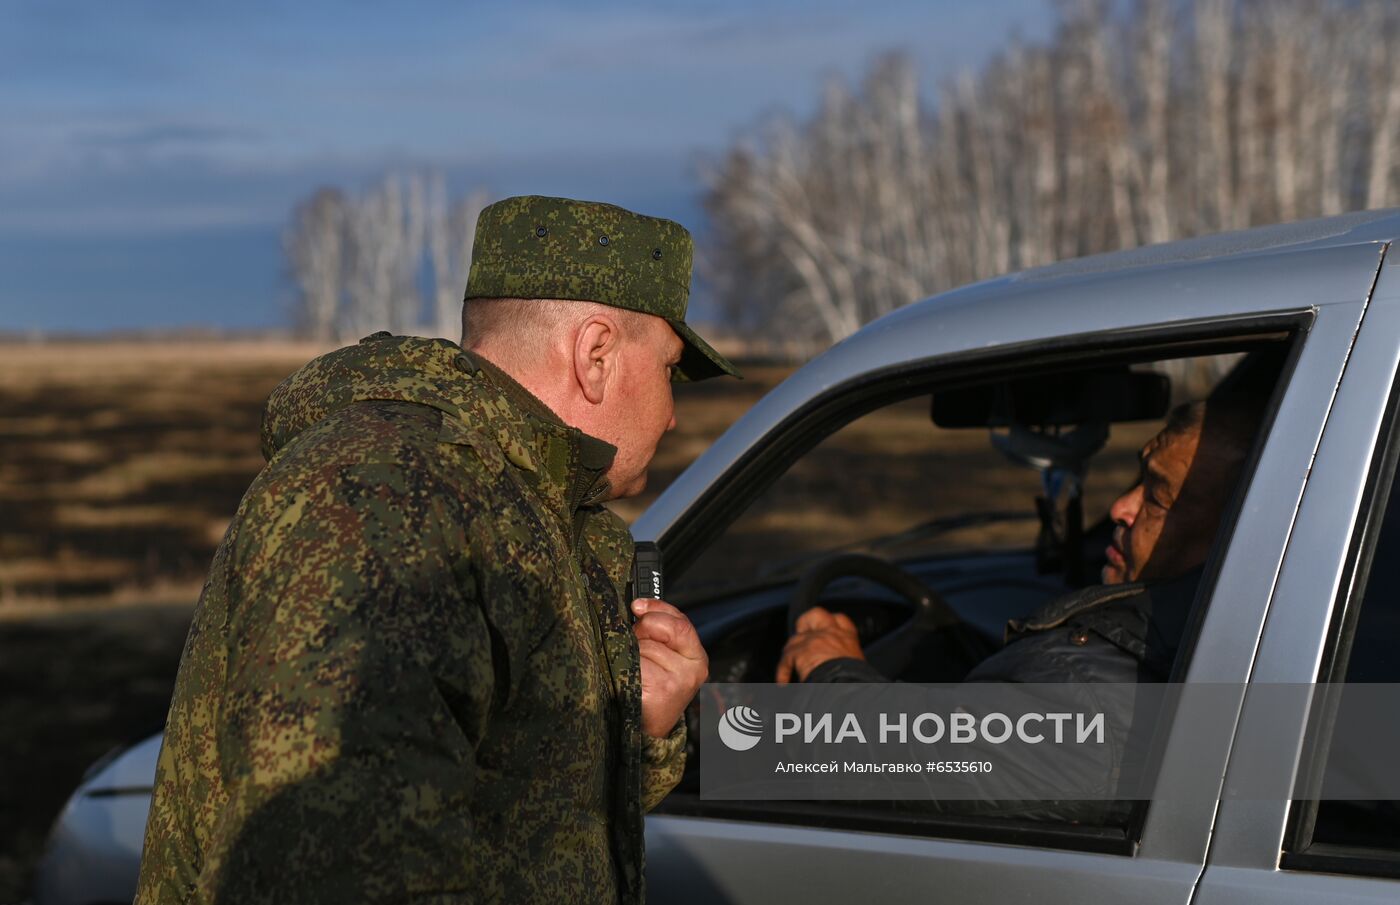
(821,635)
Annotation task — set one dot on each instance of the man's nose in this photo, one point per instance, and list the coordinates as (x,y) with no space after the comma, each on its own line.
(672,425)
(1125,509)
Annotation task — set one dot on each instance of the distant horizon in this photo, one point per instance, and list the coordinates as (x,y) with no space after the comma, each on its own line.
(235,275)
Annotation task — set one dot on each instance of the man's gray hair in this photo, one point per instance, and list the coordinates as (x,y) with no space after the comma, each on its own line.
(527,323)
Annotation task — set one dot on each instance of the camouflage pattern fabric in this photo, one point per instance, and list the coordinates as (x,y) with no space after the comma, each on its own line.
(411,675)
(535,247)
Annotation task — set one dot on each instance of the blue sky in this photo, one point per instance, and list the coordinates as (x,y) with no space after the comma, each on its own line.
(150,152)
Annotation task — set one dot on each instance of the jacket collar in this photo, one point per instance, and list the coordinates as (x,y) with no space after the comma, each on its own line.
(567,466)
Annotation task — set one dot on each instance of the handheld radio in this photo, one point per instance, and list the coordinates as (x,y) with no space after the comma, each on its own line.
(646,571)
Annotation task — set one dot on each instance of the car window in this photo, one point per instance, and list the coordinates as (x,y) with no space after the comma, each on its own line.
(1363,652)
(894,483)
(963,510)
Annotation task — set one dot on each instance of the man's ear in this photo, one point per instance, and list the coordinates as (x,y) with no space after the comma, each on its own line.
(596,346)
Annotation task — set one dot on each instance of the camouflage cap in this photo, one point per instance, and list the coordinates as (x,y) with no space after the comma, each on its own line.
(536,247)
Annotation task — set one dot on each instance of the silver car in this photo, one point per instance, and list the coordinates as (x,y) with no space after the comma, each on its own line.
(1063,369)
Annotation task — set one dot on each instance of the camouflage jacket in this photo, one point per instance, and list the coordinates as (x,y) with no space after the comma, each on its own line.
(411,675)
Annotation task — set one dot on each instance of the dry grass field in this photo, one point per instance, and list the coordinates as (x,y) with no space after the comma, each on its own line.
(122,463)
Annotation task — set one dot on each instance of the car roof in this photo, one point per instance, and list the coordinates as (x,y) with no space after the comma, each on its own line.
(1267,269)
(1344,229)
(1272,269)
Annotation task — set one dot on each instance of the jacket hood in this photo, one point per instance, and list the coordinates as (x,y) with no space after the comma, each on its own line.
(380,367)
(439,374)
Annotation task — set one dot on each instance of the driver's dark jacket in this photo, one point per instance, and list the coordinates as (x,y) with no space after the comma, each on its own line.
(1102,639)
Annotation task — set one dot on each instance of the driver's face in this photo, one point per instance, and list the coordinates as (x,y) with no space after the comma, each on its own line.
(1167,521)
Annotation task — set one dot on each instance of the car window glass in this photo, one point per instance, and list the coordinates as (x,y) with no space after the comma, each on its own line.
(892,482)
(1370,658)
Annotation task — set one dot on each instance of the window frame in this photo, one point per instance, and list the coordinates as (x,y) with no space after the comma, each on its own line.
(1299,851)
(724,501)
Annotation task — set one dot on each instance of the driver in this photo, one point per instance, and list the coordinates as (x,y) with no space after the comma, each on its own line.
(1128,628)
(1124,631)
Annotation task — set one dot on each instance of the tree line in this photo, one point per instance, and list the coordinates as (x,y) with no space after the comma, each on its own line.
(1166,119)
(1131,124)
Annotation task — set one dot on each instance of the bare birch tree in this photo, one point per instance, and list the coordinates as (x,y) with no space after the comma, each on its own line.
(451,229)
(314,244)
(373,235)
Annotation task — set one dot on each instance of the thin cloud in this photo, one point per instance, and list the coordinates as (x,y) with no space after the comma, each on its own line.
(632,43)
(147,120)
(164,135)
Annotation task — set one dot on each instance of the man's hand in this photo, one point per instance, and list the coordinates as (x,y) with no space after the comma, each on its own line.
(821,635)
(674,665)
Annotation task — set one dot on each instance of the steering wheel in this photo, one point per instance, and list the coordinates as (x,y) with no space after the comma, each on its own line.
(933,629)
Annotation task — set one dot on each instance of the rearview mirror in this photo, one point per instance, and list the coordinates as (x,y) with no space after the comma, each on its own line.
(1105,395)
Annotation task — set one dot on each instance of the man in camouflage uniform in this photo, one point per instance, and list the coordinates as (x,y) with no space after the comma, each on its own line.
(411,675)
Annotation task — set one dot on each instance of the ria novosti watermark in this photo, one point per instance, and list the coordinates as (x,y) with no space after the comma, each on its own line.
(1027,743)
(959,728)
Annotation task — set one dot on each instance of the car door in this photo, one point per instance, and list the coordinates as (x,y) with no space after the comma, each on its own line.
(1333,618)
(703,852)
